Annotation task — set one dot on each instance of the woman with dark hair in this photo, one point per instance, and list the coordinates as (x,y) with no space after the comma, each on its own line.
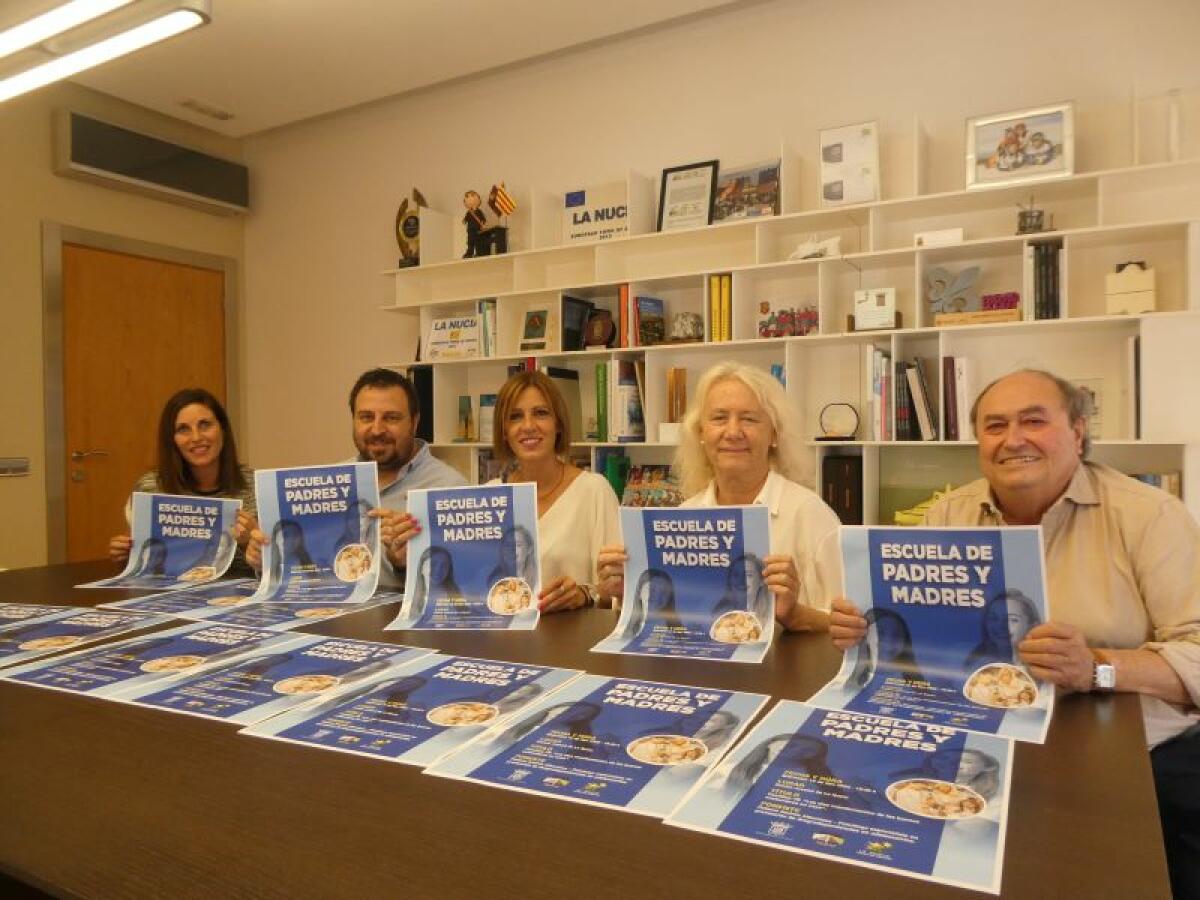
(435,580)
(197,456)
(655,596)
(888,643)
(746,589)
(1007,618)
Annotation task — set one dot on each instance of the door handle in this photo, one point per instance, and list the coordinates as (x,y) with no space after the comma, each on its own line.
(77,455)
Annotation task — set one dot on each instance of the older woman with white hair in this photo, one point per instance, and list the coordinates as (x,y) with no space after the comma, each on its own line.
(741,445)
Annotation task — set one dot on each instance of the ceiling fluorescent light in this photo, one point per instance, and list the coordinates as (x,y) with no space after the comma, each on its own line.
(56,21)
(126,42)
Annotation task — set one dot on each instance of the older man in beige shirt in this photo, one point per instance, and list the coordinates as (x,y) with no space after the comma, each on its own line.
(1123,571)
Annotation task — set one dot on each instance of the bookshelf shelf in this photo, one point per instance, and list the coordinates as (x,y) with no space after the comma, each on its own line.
(1138,364)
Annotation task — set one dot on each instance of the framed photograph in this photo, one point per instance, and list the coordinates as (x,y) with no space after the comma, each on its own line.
(1029,145)
(748,191)
(850,164)
(686,195)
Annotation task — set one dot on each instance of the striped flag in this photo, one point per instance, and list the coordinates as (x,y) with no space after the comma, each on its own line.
(501,201)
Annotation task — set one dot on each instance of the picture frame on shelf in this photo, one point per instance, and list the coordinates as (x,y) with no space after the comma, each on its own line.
(533,334)
(747,192)
(686,195)
(849,157)
(575,313)
(1023,146)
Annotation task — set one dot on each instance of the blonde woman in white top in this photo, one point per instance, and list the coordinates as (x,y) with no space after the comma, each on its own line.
(740,446)
(577,510)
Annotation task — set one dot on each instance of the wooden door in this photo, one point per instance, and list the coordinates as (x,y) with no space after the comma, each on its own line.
(135,330)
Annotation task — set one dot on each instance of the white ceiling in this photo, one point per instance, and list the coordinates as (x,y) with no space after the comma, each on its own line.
(273,62)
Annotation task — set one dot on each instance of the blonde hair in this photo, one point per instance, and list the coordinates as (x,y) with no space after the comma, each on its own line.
(507,399)
(786,456)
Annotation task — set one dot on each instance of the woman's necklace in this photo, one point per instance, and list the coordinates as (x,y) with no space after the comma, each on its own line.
(562,473)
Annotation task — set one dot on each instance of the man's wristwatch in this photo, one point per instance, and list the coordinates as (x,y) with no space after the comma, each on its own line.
(1104,674)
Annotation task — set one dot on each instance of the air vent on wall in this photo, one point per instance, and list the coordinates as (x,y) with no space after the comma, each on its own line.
(97,151)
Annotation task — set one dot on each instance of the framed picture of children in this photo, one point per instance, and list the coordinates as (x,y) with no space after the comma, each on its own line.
(1030,145)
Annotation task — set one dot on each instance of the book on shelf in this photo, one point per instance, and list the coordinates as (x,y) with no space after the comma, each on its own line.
(964,395)
(919,388)
(422,380)
(726,307)
(651,321)
(949,398)
(533,333)
(601,401)
(575,313)
(624,317)
(877,374)
(490,468)
(626,421)
(779,373)
(453,337)
(676,393)
(465,431)
(977,317)
(651,485)
(486,310)
(1171,482)
(714,308)
(905,414)
(1133,384)
(567,382)
(1047,262)
(487,416)
(613,464)
(528,364)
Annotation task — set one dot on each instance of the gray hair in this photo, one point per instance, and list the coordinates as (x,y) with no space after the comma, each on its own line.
(1076,401)
(786,457)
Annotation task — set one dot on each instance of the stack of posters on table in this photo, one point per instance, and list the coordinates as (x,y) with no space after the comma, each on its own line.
(420,712)
(131,663)
(274,678)
(475,563)
(190,603)
(638,746)
(33,637)
(323,546)
(903,761)
(178,542)
(11,613)
(694,584)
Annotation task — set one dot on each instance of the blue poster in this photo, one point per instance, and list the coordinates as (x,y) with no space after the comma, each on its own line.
(420,713)
(946,609)
(177,542)
(633,745)
(905,797)
(12,613)
(286,616)
(694,584)
(322,546)
(275,679)
(190,603)
(112,668)
(64,629)
(474,565)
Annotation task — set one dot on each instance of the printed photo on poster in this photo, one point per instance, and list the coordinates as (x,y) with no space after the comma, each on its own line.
(64,630)
(286,616)
(474,564)
(418,713)
(178,542)
(904,797)
(694,584)
(638,746)
(946,609)
(192,603)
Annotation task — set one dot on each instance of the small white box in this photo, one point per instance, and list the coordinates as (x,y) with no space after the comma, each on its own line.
(669,432)
(1130,291)
(942,238)
(874,308)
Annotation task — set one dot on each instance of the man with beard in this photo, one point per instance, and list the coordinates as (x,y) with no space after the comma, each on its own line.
(385,412)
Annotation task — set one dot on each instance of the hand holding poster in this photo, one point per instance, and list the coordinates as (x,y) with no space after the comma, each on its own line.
(915,799)
(322,544)
(946,609)
(65,629)
(275,679)
(694,584)
(474,564)
(418,713)
(177,542)
(113,668)
(632,745)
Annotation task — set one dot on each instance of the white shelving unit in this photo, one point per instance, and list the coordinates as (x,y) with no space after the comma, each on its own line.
(1149,213)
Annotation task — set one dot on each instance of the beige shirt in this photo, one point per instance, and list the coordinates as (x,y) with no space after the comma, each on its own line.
(801,526)
(1122,565)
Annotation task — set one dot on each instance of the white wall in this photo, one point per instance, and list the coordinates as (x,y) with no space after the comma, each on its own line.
(30,194)
(730,86)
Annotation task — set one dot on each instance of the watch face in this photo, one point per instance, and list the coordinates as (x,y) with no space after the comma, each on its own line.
(1105,677)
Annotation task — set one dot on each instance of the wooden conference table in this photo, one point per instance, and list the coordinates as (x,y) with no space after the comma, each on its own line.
(100,799)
